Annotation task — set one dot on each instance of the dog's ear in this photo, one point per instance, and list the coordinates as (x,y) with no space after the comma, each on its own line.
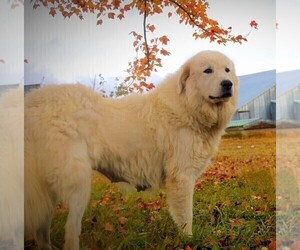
(183,76)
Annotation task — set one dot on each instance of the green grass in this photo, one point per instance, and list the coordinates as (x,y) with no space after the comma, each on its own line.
(234,207)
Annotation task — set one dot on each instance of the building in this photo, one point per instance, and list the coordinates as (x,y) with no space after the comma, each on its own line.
(5,87)
(28,87)
(257,101)
(288,96)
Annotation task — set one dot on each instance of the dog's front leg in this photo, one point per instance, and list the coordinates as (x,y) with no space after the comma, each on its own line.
(180,189)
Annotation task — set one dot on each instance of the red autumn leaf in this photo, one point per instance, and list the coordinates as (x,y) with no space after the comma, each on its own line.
(133,33)
(120,16)
(151,86)
(164,40)
(65,14)
(169,14)
(157,9)
(76,11)
(254,24)
(116,4)
(127,7)
(164,52)
(52,11)
(99,22)
(151,28)
(111,15)
(135,43)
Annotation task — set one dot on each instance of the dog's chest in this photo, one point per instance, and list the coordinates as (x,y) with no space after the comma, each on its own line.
(202,152)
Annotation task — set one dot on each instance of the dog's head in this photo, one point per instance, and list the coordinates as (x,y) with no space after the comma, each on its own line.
(209,75)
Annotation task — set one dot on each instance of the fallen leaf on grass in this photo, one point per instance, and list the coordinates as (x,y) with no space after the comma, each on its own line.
(254,197)
(155,205)
(264,207)
(117,209)
(236,222)
(108,227)
(272,245)
(122,220)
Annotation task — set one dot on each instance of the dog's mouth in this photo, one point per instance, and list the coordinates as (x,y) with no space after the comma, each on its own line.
(226,95)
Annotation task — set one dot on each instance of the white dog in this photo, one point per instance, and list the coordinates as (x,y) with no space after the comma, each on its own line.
(12,169)
(162,139)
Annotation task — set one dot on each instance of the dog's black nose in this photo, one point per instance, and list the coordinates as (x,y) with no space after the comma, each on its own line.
(226,85)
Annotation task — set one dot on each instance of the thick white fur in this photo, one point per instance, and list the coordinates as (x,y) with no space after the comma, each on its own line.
(12,169)
(162,139)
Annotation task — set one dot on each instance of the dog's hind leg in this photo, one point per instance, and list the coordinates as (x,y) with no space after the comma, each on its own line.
(78,197)
(38,208)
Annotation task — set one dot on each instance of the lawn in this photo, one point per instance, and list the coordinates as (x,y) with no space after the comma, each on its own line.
(234,205)
(288,188)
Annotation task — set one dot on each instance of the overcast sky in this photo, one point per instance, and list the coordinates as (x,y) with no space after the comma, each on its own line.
(287,35)
(11,44)
(69,50)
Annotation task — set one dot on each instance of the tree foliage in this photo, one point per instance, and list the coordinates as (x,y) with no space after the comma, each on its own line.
(149,51)
(16,3)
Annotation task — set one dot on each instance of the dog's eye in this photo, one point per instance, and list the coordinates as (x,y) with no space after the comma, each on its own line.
(208,71)
(227,70)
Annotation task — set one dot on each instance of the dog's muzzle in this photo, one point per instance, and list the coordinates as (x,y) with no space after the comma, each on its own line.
(226,90)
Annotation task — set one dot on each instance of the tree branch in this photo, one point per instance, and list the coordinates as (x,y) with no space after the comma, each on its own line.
(188,14)
(145,34)
(191,18)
